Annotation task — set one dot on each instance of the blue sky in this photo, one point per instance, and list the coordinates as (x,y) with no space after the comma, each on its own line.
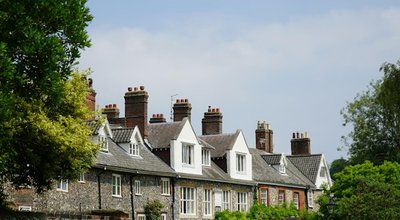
(294,64)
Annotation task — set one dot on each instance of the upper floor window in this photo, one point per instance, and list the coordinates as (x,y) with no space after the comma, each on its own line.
(141,217)
(81,178)
(205,157)
(165,186)
(187,154)
(281,197)
(103,143)
(264,196)
(62,185)
(116,185)
(240,163)
(188,200)
(138,190)
(296,200)
(322,172)
(134,149)
(310,197)
(242,201)
(226,200)
(207,202)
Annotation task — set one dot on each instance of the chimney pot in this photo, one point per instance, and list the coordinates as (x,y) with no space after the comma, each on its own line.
(142,88)
(297,134)
(114,105)
(129,89)
(154,115)
(178,101)
(186,100)
(161,115)
(293,135)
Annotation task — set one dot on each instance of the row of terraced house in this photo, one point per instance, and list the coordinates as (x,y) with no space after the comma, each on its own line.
(192,175)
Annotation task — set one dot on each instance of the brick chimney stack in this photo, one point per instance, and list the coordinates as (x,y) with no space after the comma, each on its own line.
(111,110)
(264,137)
(182,108)
(136,109)
(157,118)
(212,121)
(91,97)
(300,144)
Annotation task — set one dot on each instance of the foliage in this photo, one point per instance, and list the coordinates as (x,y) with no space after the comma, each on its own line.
(375,117)
(261,212)
(367,191)
(337,166)
(42,100)
(153,209)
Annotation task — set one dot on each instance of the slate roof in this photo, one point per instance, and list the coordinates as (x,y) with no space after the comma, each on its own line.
(95,125)
(118,159)
(160,134)
(273,159)
(266,173)
(122,135)
(221,142)
(307,164)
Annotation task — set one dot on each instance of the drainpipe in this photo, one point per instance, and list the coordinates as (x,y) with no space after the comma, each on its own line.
(99,185)
(131,188)
(174,180)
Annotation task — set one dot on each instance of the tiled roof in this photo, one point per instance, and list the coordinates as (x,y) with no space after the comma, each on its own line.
(221,142)
(265,173)
(160,134)
(95,125)
(307,164)
(272,159)
(205,144)
(118,159)
(122,135)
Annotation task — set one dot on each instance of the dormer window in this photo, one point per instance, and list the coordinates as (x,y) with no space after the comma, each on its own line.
(103,143)
(240,163)
(282,168)
(205,157)
(188,154)
(134,149)
(322,173)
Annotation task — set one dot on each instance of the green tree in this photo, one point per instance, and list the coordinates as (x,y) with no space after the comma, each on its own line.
(375,117)
(42,100)
(337,166)
(365,191)
(153,209)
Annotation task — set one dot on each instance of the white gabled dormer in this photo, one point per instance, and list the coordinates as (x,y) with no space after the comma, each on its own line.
(323,177)
(129,139)
(186,151)
(101,134)
(239,165)
(282,165)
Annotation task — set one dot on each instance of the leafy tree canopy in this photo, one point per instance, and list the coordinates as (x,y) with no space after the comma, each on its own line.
(42,100)
(375,117)
(365,191)
(337,166)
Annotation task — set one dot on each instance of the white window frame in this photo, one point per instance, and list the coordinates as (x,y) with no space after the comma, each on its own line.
(25,208)
(116,185)
(264,196)
(133,149)
(188,201)
(138,189)
(310,197)
(242,201)
(226,200)
(207,201)
(296,198)
(322,172)
(240,163)
(165,187)
(82,178)
(205,157)
(281,199)
(141,216)
(102,140)
(62,185)
(163,216)
(282,168)
(187,154)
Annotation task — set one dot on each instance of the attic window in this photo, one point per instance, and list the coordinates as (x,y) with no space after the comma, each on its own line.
(133,149)
(205,157)
(282,168)
(188,154)
(322,173)
(102,140)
